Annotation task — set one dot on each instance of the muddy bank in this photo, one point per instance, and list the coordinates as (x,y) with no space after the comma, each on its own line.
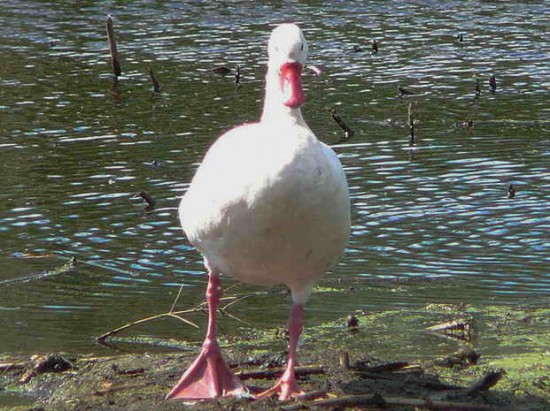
(479,358)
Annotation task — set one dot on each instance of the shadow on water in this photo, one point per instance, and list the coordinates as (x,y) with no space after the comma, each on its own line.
(432,223)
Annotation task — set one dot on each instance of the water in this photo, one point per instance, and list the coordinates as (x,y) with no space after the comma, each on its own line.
(75,148)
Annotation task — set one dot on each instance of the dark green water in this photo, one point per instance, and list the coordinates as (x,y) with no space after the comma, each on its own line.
(75,149)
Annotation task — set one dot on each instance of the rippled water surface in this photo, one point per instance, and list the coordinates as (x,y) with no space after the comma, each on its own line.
(75,148)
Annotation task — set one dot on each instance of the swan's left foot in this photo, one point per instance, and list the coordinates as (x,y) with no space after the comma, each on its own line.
(286,387)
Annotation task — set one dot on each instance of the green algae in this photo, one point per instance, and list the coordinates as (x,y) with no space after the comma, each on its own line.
(515,340)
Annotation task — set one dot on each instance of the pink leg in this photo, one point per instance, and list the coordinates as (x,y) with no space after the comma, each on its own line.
(209,376)
(286,386)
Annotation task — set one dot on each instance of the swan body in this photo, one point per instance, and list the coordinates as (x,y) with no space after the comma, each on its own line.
(269,205)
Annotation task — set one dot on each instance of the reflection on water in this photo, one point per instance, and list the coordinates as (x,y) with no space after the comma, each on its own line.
(75,148)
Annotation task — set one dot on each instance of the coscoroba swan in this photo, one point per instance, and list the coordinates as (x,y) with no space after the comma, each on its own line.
(268,205)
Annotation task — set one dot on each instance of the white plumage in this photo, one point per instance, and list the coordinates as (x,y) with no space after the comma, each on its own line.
(269,203)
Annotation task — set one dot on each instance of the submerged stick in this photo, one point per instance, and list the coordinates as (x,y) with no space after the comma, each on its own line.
(237,75)
(175,314)
(115,63)
(102,339)
(477,89)
(374,46)
(64,269)
(511,191)
(348,132)
(148,199)
(493,83)
(156,85)
(410,121)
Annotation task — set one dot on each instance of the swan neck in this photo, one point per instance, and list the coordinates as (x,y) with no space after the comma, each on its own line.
(274,109)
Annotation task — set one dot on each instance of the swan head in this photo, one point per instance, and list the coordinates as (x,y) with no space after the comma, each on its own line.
(287,49)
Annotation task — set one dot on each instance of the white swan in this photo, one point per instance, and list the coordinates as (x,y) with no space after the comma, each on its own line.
(268,205)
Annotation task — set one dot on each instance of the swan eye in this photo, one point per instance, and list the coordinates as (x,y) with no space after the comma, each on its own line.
(302,47)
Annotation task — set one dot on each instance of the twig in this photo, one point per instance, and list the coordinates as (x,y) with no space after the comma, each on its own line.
(312,395)
(344,361)
(437,386)
(223,310)
(64,269)
(106,267)
(112,47)
(235,317)
(237,75)
(390,366)
(449,326)
(375,376)
(133,371)
(156,85)
(177,317)
(374,46)
(379,401)
(177,298)
(110,389)
(10,366)
(148,199)
(100,359)
(461,329)
(404,92)
(277,372)
(493,83)
(233,286)
(438,405)
(102,338)
(348,132)
(351,400)
(410,121)
(237,300)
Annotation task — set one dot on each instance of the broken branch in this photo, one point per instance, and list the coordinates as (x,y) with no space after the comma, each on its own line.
(277,372)
(486,382)
(115,63)
(102,338)
(348,132)
(379,401)
(156,85)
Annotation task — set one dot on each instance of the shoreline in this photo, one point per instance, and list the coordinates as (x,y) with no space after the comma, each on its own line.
(340,362)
